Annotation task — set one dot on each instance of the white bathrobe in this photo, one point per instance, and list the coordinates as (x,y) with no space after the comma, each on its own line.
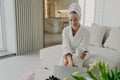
(70,43)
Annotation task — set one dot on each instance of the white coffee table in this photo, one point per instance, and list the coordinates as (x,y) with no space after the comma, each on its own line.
(41,74)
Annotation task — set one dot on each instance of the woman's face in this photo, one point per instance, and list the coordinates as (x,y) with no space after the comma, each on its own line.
(74,21)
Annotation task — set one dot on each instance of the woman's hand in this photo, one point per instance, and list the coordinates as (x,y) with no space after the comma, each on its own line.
(70,63)
(83,54)
(65,62)
(68,60)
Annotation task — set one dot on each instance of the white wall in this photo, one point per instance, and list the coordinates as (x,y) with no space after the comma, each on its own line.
(107,12)
(111,13)
(10,25)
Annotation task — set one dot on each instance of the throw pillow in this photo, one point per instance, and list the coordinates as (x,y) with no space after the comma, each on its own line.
(107,30)
(96,37)
(113,40)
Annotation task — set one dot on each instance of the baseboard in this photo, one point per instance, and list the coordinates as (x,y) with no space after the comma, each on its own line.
(7,55)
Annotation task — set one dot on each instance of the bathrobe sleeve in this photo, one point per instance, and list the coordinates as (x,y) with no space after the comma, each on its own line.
(85,41)
(66,43)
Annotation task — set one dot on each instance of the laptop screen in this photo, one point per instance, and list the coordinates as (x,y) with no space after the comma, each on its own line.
(64,71)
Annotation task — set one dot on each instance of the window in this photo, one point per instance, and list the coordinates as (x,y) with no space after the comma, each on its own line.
(88,9)
(2,44)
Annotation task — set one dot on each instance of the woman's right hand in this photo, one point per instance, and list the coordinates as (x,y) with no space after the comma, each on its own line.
(68,60)
(70,63)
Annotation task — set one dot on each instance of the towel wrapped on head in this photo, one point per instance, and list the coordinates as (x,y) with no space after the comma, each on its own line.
(75,7)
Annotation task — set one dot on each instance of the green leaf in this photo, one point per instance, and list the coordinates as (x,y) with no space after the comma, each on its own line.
(92,75)
(112,75)
(109,77)
(78,77)
(117,75)
(103,70)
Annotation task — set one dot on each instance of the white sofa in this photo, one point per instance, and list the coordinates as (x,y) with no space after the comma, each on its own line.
(52,55)
(102,47)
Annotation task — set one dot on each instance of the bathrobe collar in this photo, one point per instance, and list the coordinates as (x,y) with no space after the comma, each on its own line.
(77,37)
(70,31)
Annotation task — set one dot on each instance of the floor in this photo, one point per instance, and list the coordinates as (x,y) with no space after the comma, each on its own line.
(13,68)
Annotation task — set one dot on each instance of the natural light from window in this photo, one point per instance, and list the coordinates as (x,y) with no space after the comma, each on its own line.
(1,27)
(88,9)
(1,38)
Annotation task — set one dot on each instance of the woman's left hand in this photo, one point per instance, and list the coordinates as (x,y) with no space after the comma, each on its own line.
(83,55)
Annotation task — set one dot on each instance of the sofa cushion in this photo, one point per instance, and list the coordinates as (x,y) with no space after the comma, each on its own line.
(106,28)
(113,41)
(96,35)
(110,56)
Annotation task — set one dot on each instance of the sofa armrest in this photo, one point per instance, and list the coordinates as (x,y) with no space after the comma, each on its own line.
(51,55)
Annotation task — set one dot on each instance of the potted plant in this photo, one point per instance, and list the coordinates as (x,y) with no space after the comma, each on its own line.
(104,72)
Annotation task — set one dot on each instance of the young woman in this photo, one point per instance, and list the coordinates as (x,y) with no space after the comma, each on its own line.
(75,38)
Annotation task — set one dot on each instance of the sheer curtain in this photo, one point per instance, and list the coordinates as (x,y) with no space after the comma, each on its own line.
(88,10)
(2,35)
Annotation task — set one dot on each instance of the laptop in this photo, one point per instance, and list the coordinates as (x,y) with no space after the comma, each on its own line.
(65,72)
